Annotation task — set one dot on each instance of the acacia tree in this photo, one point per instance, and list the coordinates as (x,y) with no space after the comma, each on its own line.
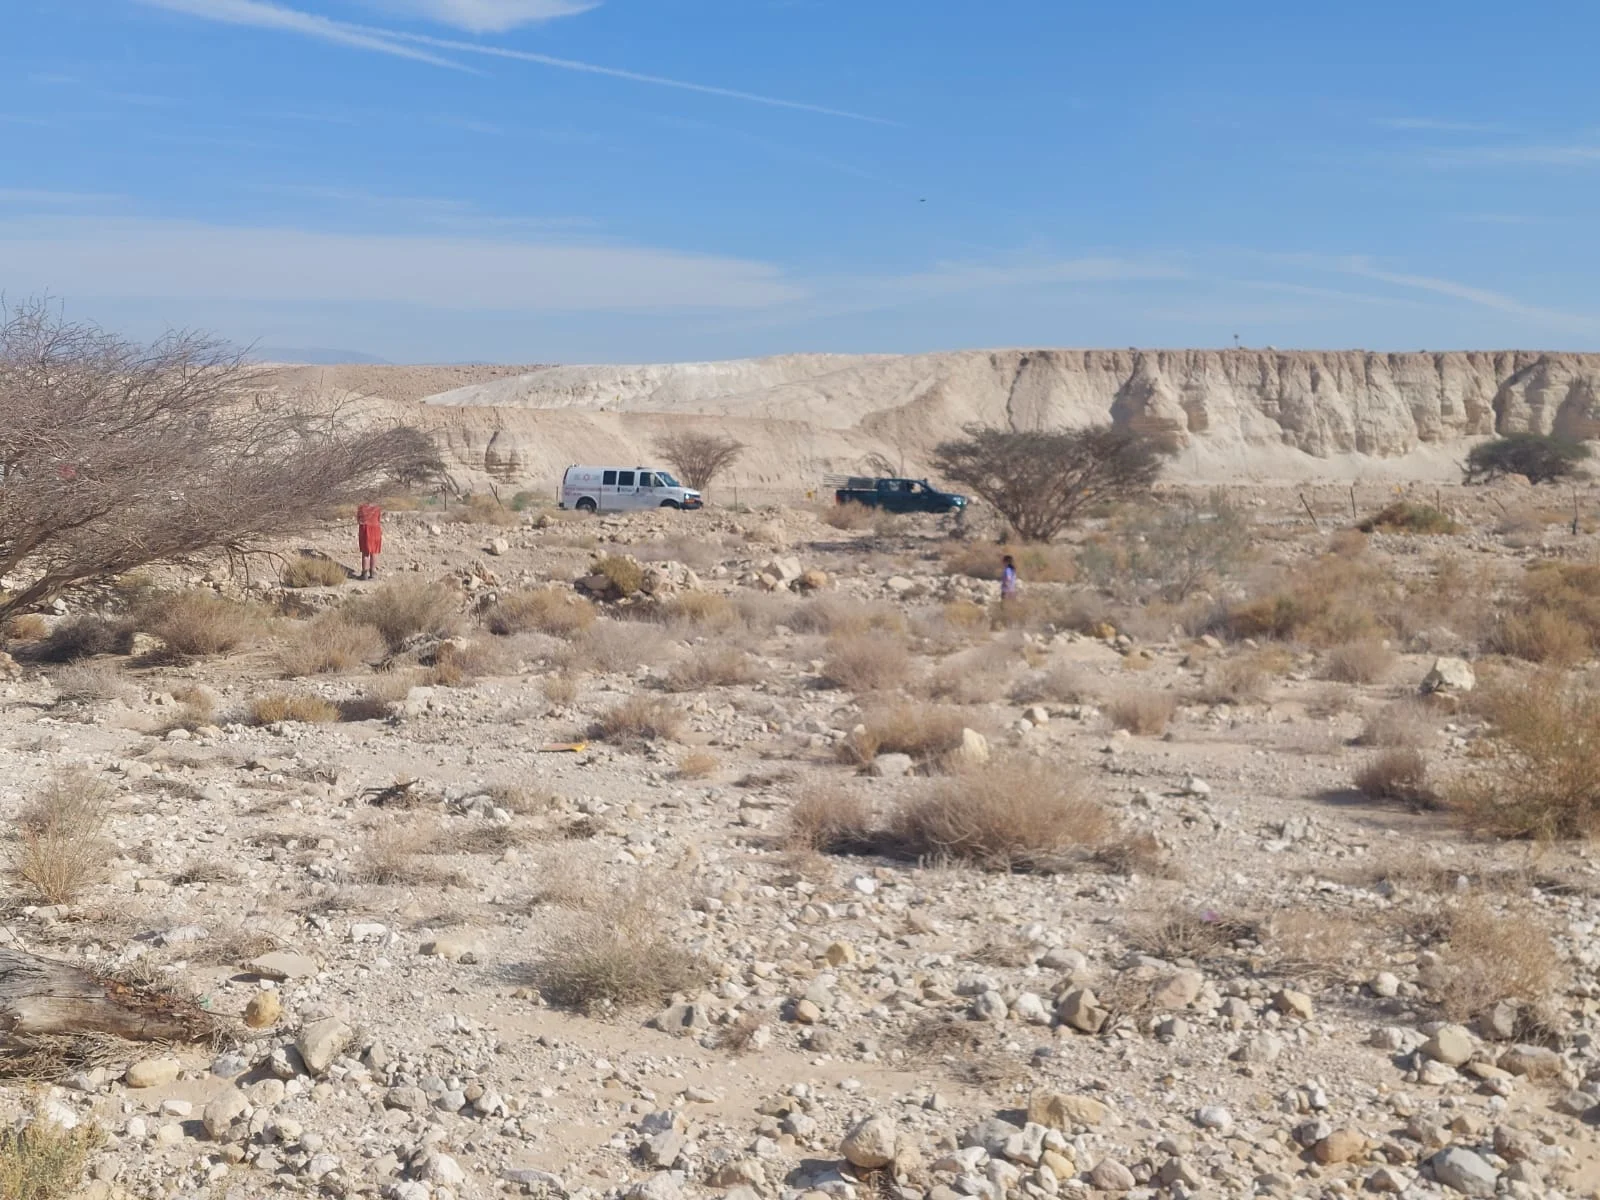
(698,457)
(115,454)
(1542,458)
(1040,481)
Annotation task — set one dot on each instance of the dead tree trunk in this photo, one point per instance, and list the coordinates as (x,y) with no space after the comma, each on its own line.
(39,996)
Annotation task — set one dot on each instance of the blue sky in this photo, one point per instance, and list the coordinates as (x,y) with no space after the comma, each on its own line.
(642,180)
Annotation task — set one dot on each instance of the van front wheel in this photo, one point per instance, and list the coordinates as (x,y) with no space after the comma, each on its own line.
(586,504)
(670,504)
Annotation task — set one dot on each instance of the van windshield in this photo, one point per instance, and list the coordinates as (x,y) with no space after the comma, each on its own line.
(667,480)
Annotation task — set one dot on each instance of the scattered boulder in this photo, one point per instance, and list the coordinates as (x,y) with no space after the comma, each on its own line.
(152,1072)
(1450,1044)
(264,1010)
(1450,676)
(871,1143)
(321,1042)
(1065,1111)
(1463,1171)
(1081,1010)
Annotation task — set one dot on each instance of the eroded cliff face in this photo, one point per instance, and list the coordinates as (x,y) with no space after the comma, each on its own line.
(805,415)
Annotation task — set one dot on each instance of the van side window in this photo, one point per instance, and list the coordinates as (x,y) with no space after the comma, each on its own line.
(624,478)
(609,479)
(646,479)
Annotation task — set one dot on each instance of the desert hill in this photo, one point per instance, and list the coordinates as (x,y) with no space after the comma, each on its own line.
(1265,415)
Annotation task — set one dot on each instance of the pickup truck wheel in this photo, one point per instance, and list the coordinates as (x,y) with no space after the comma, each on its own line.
(586,504)
(670,504)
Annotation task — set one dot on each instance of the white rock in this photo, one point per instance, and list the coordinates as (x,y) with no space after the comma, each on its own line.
(871,1143)
(1449,675)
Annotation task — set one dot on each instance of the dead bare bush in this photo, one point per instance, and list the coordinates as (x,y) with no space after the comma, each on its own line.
(24,627)
(859,663)
(292,706)
(831,821)
(542,610)
(1407,722)
(1366,661)
(1143,712)
(848,516)
(1180,932)
(1005,816)
(200,624)
(1242,679)
(620,953)
(84,637)
(407,608)
(560,690)
(62,849)
(1062,683)
(698,456)
(1400,775)
(927,732)
(330,644)
(698,764)
(842,615)
(1489,958)
(641,719)
(313,570)
(612,646)
(117,454)
(976,676)
(88,683)
(709,667)
(1311,942)
(700,611)
(391,853)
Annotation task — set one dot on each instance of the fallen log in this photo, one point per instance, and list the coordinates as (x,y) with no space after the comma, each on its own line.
(41,997)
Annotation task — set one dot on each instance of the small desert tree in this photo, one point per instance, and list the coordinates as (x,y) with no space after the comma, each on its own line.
(1041,481)
(1541,457)
(115,454)
(698,457)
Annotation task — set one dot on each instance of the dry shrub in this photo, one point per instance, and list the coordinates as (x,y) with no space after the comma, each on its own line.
(406,608)
(86,683)
(1542,774)
(479,509)
(1181,932)
(1408,722)
(199,624)
(738,1036)
(710,666)
(561,690)
(389,856)
(1243,679)
(620,953)
(831,821)
(1399,774)
(927,732)
(1490,957)
(377,701)
(1035,563)
(540,610)
(700,610)
(977,676)
(965,616)
(624,574)
(27,627)
(197,707)
(458,663)
(1542,635)
(85,637)
(697,764)
(62,848)
(641,719)
(1334,600)
(1142,712)
(201,869)
(1348,543)
(1365,661)
(1136,853)
(292,706)
(862,663)
(849,515)
(842,615)
(1406,516)
(42,1161)
(330,644)
(1312,942)
(762,613)
(1005,816)
(1062,683)
(313,570)
(612,646)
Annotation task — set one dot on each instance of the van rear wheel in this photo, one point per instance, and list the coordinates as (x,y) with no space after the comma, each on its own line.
(670,504)
(586,504)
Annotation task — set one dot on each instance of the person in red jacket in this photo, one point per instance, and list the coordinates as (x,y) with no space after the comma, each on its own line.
(369,537)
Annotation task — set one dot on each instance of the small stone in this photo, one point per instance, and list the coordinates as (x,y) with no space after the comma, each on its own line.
(225,1115)
(891,766)
(1342,1145)
(1214,1116)
(264,1010)
(1081,1010)
(1450,1044)
(321,1042)
(1065,1111)
(152,1072)
(454,947)
(498,546)
(974,748)
(1449,675)
(1179,991)
(1384,984)
(284,964)
(871,1143)
(1111,1176)
(1460,1169)
(806,1012)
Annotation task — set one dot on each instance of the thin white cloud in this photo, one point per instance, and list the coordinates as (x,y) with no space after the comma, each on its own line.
(37,200)
(569,64)
(1482,297)
(257,14)
(1435,125)
(1578,154)
(133,258)
(487,16)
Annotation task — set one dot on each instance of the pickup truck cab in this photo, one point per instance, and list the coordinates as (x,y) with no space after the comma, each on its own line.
(620,489)
(899,495)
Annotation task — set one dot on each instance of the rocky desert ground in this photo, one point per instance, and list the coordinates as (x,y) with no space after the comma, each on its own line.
(768,854)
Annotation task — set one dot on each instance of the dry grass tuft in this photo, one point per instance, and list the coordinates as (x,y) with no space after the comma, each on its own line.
(613,646)
(831,821)
(700,610)
(862,663)
(697,764)
(1541,777)
(391,853)
(1311,942)
(842,615)
(42,1161)
(1489,958)
(1406,516)
(86,683)
(84,637)
(200,624)
(480,509)
(540,610)
(851,516)
(1143,712)
(1542,635)
(641,719)
(26,627)
(197,707)
(331,644)
(313,570)
(620,953)
(624,575)
(1136,853)
(1036,563)
(560,690)
(1005,816)
(1400,775)
(1408,722)
(1179,932)
(1061,683)
(1365,661)
(926,732)
(292,706)
(457,663)
(977,676)
(709,667)
(1242,679)
(62,848)
(407,608)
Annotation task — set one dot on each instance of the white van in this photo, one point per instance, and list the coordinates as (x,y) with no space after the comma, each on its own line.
(617,489)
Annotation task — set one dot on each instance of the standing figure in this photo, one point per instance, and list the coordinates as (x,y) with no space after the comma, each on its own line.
(369,537)
(1008,579)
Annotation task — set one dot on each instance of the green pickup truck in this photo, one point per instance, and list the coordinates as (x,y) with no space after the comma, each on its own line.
(899,495)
